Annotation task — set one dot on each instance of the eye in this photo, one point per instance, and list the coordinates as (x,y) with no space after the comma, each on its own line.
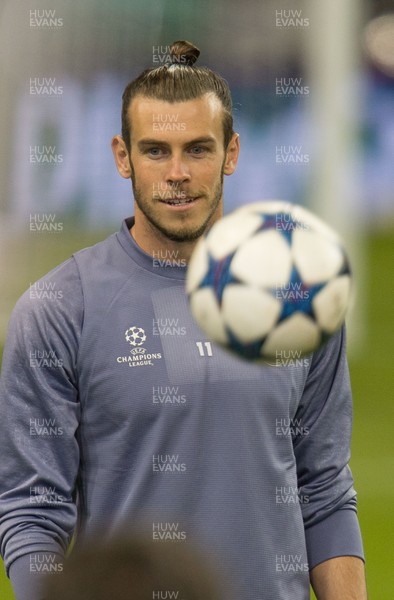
(154,151)
(197,150)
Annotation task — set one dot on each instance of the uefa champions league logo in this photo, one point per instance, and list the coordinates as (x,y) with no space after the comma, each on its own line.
(140,357)
(135,336)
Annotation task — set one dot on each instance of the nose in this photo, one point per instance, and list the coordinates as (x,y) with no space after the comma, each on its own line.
(178,171)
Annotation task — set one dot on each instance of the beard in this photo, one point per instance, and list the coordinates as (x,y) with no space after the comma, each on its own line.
(181,231)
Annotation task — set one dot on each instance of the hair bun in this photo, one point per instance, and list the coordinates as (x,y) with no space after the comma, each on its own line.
(184,53)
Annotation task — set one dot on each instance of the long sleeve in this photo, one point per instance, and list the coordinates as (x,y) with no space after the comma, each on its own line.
(39,417)
(322,449)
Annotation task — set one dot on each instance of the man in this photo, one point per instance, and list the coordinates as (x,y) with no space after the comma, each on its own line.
(156,432)
(134,568)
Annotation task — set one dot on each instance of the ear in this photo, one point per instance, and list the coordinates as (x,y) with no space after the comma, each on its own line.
(121,156)
(232,154)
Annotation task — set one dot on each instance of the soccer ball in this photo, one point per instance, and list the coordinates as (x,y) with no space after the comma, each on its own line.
(267,279)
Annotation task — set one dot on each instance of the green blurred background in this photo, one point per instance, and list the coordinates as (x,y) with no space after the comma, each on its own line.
(341,115)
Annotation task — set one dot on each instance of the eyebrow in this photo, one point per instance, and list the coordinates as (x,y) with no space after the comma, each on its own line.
(152,142)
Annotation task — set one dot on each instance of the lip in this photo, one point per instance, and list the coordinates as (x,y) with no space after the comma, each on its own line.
(181,207)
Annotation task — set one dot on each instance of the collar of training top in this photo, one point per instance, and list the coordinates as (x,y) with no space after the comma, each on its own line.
(160,263)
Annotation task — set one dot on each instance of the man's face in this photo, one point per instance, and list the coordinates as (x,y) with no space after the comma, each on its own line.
(177,162)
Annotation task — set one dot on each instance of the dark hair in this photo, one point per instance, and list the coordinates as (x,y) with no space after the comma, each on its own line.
(177,82)
(125,569)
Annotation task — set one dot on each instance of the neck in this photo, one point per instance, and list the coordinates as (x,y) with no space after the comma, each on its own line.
(162,247)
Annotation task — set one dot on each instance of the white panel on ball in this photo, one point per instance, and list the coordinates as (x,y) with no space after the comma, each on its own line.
(297,334)
(331,302)
(263,261)
(311,221)
(230,232)
(206,311)
(249,313)
(317,258)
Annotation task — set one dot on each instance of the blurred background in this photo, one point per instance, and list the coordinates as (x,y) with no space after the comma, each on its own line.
(313,92)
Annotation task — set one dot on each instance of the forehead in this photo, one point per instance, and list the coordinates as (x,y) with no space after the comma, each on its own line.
(180,120)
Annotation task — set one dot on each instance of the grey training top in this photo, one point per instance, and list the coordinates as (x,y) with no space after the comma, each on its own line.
(117,412)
